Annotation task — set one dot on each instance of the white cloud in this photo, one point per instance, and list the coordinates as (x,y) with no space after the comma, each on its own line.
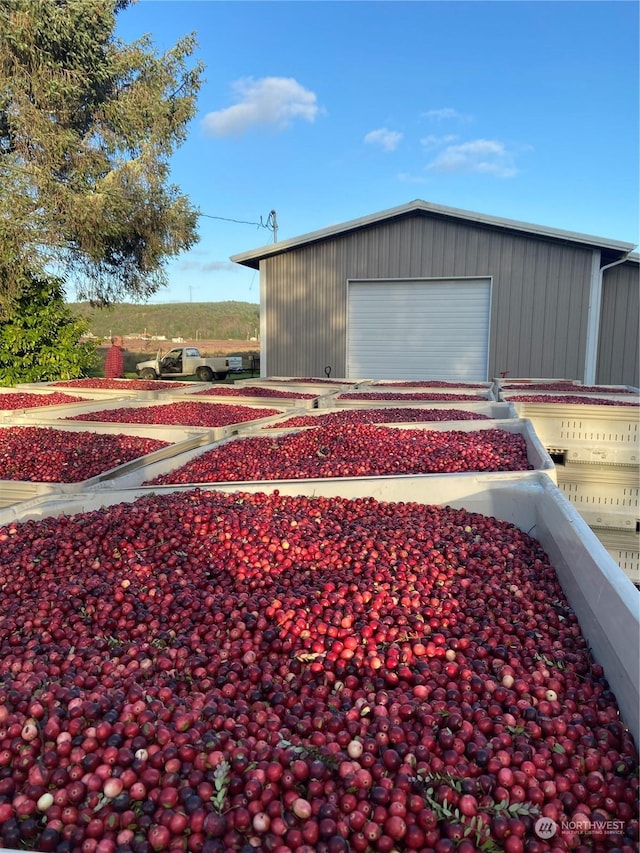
(387,139)
(432,141)
(445,114)
(479,156)
(269,101)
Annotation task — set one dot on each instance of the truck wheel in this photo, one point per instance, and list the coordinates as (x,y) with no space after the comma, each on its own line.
(149,373)
(219,375)
(205,374)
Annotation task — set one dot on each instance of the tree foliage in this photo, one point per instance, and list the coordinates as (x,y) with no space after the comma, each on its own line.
(87,126)
(41,340)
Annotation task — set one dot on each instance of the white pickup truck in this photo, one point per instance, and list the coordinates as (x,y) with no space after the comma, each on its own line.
(183,361)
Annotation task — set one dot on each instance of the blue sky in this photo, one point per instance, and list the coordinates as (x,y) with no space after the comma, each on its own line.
(327,111)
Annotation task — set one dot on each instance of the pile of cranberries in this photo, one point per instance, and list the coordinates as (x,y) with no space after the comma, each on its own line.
(252,391)
(570,400)
(24,400)
(120,384)
(564,386)
(362,450)
(206,672)
(44,454)
(387,415)
(435,396)
(429,383)
(187,413)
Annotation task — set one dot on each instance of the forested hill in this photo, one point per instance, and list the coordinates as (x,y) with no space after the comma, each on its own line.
(191,320)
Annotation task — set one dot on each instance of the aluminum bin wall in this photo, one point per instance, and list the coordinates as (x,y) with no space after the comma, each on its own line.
(511,380)
(309,385)
(61,410)
(415,385)
(160,388)
(611,396)
(624,549)
(504,384)
(180,441)
(492,410)
(586,433)
(250,399)
(44,390)
(402,397)
(20,491)
(604,599)
(573,386)
(538,457)
(606,497)
(215,433)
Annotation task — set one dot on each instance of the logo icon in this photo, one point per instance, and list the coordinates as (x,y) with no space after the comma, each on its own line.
(545,828)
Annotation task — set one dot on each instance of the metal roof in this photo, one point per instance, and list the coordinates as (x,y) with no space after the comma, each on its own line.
(253,257)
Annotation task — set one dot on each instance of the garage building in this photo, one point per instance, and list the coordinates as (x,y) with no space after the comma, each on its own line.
(423,291)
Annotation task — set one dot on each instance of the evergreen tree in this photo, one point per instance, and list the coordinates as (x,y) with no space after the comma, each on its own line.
(87,126)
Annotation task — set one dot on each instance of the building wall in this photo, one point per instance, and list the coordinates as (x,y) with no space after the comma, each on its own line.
(619,348)
(539,298)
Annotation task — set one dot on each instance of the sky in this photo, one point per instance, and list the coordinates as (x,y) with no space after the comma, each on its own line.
(325,111)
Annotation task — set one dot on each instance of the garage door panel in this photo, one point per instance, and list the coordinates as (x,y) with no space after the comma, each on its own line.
(419,329)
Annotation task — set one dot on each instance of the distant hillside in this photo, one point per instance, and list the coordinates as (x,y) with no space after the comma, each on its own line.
(189,320)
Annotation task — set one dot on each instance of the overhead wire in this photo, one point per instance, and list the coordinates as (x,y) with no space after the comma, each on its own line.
(16,167)
(227,219)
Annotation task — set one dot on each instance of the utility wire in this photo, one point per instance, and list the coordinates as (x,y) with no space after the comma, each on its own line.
(269,224)
(226,219)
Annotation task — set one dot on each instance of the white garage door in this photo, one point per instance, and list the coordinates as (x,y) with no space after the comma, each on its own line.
(419,329)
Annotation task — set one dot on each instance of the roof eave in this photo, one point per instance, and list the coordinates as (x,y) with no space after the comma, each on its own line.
(253,257)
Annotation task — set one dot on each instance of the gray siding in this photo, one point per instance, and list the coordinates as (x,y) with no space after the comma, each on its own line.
(619,349)
(539,299)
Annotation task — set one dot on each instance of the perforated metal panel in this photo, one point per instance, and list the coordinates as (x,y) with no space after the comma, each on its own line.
(588,429)
(606,435)
(624,548)
(604,497)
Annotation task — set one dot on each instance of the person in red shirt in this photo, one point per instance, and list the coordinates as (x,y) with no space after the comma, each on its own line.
(113,362)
